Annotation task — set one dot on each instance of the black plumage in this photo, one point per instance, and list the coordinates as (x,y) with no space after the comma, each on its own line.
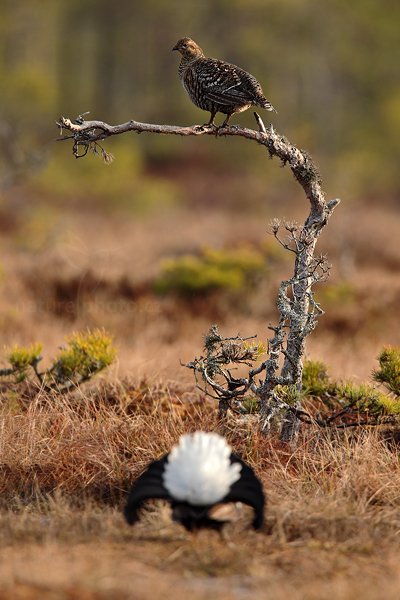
(217,86)
(151,485)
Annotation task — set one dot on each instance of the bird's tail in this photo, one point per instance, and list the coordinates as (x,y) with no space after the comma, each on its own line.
(264,103)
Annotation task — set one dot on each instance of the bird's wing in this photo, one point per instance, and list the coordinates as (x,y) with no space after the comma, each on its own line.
(224,83)
(147,486)
(248,490)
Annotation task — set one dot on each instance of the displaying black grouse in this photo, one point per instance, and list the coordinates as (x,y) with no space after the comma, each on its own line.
(197,474)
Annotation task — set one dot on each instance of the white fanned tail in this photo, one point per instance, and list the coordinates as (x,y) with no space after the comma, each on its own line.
(199,470)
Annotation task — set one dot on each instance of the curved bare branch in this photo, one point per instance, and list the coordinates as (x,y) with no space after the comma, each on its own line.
(299,312)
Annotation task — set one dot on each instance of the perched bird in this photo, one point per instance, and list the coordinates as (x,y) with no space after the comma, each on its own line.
(198,473)
(215,85)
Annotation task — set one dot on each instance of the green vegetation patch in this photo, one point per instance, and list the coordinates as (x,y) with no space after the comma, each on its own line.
(363,398)
(341,293)
(85,354)
(389,371)
(226,269)
(21,359)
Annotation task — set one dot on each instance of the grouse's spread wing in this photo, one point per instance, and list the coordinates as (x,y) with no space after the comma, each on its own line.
(223,83)
(248,490)
(148,485)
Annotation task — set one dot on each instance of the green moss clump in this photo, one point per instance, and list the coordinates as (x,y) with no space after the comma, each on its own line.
(21,358)
(389,371)
(287,393)
(342,293)
(363,399)
(255,349)
(250,405)
(231,270)
(86,354)
(367,399)
(315,378)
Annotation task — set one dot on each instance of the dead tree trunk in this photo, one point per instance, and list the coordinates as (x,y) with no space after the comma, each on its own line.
(297,307)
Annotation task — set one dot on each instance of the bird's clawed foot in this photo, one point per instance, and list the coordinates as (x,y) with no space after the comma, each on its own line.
(222,128)
(205,127)
(216,129)
(234,127)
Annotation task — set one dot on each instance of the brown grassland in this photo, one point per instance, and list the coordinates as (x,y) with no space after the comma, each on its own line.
(333,515)
(332,519)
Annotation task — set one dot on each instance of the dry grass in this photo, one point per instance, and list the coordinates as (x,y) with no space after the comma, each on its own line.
(88,444)
(333,517)
(332,520)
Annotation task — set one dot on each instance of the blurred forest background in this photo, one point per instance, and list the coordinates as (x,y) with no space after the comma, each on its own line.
(125,246)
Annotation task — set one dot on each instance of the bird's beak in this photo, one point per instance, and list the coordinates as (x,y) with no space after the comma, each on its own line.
(175,47)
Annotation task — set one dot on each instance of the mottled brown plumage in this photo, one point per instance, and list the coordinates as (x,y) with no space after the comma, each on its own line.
(215,85)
